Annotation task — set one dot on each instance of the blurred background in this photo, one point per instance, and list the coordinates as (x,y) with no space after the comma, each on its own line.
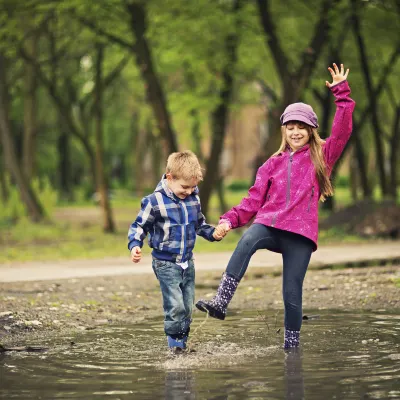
(95,95)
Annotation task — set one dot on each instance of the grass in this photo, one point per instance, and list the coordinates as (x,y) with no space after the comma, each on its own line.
(75,232)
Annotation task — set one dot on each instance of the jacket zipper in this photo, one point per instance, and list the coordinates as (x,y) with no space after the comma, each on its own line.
(311,197)
(288,179)
(183,230)
(287,187)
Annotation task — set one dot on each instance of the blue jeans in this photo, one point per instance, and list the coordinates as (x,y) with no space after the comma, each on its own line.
(177,288)
(296,253)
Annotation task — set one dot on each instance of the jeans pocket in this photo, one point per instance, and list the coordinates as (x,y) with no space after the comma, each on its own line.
(159,266)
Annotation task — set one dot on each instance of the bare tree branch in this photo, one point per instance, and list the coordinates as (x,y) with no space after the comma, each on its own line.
(278,54)
(113,38)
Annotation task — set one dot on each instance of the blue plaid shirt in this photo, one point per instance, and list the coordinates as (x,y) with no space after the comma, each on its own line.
(171,223)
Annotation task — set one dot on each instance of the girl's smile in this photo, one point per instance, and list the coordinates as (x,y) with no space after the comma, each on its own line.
(297,135)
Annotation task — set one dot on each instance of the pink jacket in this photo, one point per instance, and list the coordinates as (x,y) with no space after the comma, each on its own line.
(286,192)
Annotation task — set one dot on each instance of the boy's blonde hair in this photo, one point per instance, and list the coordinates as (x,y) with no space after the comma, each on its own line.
(184,165)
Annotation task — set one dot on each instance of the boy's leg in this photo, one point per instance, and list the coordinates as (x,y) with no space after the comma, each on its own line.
(170,277)
(258,236)
(296,253)
(188,288)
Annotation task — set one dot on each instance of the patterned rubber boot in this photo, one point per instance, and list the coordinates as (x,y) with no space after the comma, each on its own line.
(216,307)
(292,339)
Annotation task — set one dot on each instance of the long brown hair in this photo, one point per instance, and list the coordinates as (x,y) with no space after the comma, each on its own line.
(317,157)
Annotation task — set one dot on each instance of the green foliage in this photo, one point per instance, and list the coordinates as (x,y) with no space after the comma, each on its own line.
(13,209)
(342,181)
(238,185)
(46,194)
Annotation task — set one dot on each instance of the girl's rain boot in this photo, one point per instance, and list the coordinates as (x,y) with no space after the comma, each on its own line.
(292,339)
(217,306)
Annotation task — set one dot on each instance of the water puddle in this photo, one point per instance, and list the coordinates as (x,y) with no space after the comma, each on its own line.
(344,356)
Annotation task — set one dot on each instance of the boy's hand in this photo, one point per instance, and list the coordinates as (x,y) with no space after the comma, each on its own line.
(136,254)
(221,230)
(337,76)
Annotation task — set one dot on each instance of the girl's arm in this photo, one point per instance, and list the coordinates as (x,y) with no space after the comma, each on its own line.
(343,121)
(241,214)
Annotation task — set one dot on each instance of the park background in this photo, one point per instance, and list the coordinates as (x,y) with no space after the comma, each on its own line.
(95,95)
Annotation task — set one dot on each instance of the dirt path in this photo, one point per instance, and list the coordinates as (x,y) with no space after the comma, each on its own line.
(325,256)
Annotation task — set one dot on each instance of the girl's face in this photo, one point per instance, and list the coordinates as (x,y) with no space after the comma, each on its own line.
(296,134)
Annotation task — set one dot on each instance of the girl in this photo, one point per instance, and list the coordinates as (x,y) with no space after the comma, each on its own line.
(284,201)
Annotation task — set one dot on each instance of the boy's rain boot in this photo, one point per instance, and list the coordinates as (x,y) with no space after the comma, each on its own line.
(292,339)
(177,346)
(217,306)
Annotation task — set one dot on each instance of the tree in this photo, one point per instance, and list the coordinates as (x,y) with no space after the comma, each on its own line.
(34,208)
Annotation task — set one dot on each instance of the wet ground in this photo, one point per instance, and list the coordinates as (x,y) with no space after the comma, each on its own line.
(343,356)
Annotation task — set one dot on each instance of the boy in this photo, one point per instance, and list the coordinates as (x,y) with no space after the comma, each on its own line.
(172,217)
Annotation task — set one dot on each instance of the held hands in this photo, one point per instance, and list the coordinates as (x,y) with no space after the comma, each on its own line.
(136,254)
(337,76)
(221,230)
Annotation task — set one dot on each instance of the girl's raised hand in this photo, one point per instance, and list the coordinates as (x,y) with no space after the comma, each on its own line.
(337,76)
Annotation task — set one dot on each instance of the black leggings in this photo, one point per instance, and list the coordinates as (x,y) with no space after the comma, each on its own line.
(296,253)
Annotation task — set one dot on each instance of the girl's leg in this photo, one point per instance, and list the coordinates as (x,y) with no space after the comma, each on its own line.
(258,236)
(296,252)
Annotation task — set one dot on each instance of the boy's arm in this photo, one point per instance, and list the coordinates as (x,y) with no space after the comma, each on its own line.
(142,225)
(203,229)
(241,214)
(342,125)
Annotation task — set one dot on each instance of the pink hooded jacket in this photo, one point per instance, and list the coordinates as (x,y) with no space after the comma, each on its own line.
(286,192)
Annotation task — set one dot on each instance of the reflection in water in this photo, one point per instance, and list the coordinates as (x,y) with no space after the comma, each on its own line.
(344,356)
(294,380)
(179,385)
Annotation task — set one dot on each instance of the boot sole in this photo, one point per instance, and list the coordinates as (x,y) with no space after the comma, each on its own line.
(211,311)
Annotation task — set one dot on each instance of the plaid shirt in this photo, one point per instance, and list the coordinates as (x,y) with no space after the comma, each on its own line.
(172,224)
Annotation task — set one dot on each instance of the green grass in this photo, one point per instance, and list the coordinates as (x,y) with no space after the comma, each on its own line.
(75,232)
(396,282)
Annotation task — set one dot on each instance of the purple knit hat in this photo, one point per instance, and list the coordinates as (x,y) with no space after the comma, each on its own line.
(300,112)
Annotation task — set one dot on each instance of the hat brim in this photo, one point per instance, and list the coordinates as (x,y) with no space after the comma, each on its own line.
(297,117)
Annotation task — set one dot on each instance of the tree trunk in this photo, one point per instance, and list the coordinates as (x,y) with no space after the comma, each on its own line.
(28,197)
(362,165)
(156,155)
(154,90)
(293,83)
(394,148)
(30,109)
(140,150)
(380,157)
(101,182)
(223,208)
(3,182)
(353,181)
(64,164)
(195,122)
(221,114)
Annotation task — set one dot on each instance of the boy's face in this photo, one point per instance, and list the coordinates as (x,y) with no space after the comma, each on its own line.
(181,187)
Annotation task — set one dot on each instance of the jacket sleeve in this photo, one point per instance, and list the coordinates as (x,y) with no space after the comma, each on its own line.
(203,229)
(342,123)
(142,225)
(241,214)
